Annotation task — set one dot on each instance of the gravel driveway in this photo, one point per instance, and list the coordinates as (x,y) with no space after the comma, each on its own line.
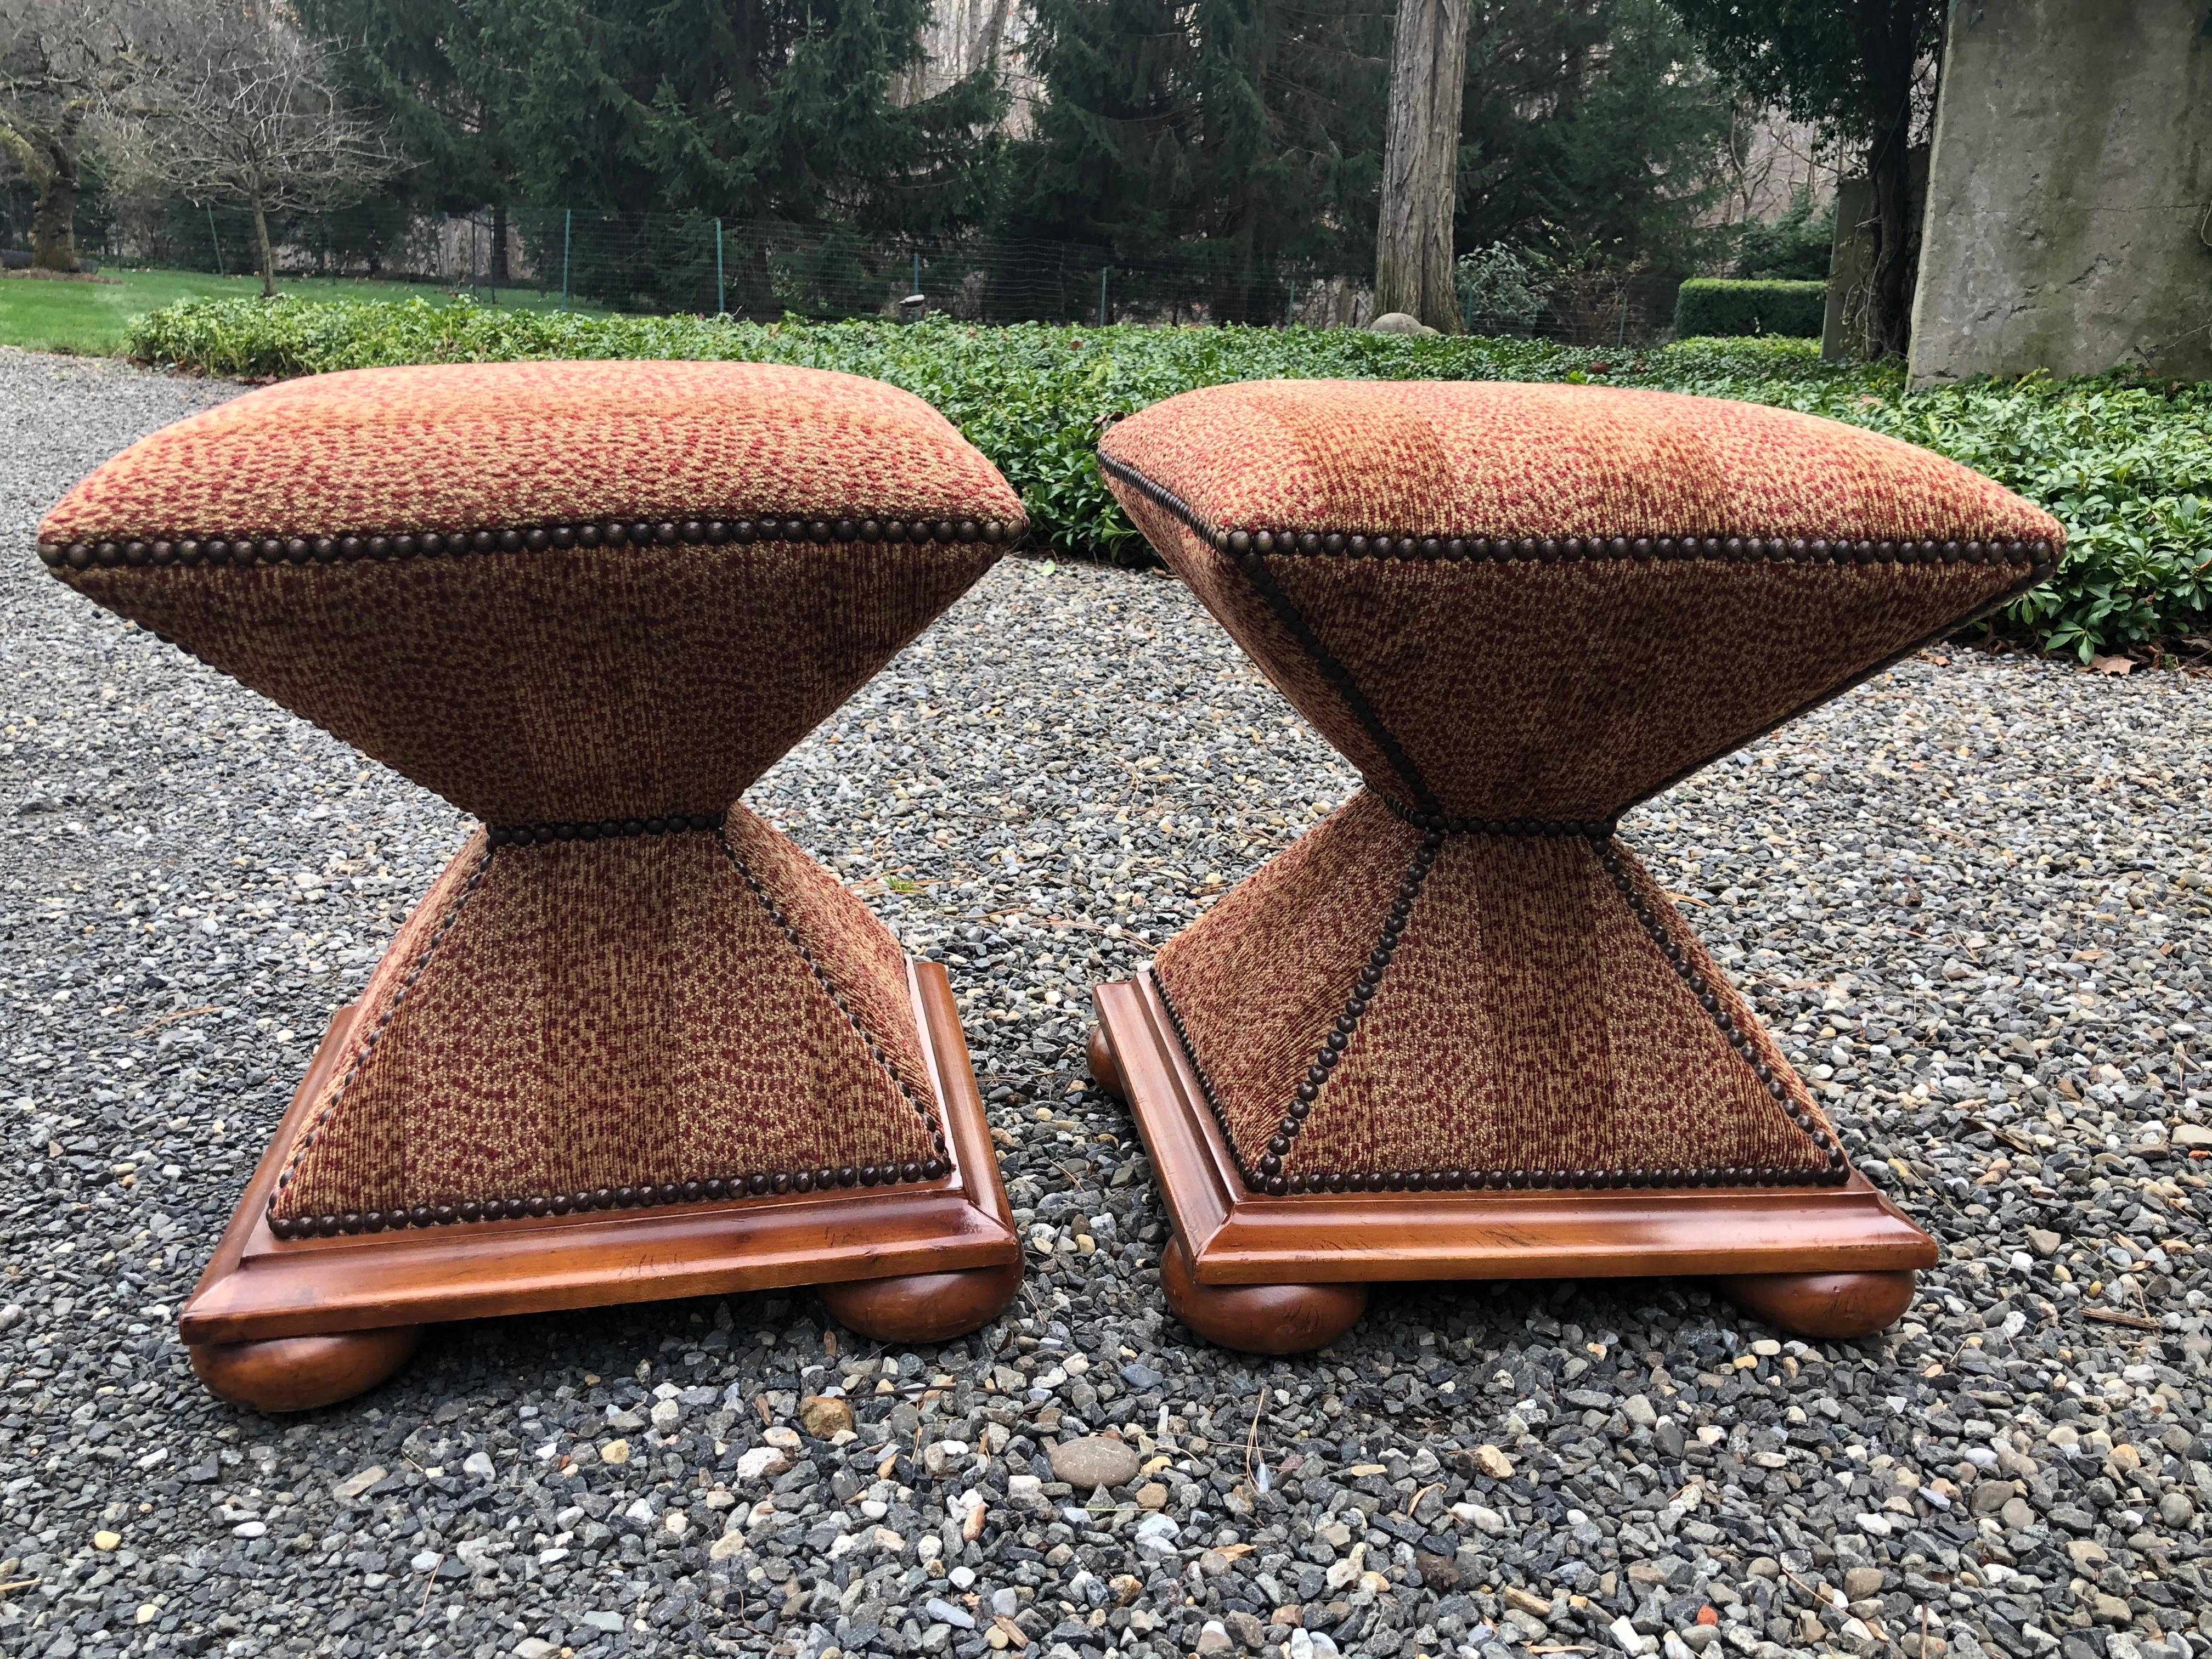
(1975,897)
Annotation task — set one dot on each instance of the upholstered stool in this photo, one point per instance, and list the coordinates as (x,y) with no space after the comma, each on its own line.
(1457,1030)
(634,1043)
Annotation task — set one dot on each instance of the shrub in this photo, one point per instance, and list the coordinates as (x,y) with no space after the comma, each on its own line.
(2125,462)
(1502,287)
(1797,244)
(1720,305)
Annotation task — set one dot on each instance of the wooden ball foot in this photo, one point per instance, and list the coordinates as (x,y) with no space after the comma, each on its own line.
(1258,1318)
(923,1307)
(299,1373)
(1822,1305)
(1098,1053)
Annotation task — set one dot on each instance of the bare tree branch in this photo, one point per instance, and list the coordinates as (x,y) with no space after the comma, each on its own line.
(250,111)
(63,64)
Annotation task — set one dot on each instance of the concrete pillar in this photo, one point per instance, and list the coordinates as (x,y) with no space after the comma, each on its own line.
(2069,223)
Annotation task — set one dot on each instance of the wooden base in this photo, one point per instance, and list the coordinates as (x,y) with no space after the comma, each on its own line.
(1830,1259)
(947,1248)
(923,1307)
(299,1373)
(1258,1318)
(1827,1306)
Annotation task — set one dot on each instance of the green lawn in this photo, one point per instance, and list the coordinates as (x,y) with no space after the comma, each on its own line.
(90,319)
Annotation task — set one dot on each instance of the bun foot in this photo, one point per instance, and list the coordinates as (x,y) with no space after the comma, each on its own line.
(1099,1055)
(1258,1318)
(1823,1305)
(923,1307)
(299,1373)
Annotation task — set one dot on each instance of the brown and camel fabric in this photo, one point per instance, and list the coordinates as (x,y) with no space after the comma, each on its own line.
(588,603)
(1520,610)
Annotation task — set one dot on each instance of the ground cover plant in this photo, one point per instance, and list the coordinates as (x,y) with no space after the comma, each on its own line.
(2125,463)
(93,318)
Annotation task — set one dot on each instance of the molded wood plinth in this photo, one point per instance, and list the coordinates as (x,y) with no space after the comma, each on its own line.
(1258,1318)
(923,1307)
(299,1373)
(1825,1306)
(1098,1053)
(957,1232)
(1850,1236)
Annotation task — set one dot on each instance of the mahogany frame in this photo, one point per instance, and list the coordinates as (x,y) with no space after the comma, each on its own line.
(258,1287)
(1232,1236)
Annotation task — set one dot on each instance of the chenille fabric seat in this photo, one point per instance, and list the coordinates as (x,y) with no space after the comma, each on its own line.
(1519,611)
(589,604)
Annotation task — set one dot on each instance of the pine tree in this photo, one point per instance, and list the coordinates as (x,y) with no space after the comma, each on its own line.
(775,111)
(1199,148)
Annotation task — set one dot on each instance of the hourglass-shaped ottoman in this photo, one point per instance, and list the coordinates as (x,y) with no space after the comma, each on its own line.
(1457,1030)
(634,1043)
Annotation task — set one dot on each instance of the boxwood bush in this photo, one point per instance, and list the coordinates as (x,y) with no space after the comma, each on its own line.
(2123,462)
(1717,306)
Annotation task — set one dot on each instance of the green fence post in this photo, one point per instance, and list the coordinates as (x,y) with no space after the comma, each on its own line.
(568,224)
(214,237)
(1102,270)
(721,294)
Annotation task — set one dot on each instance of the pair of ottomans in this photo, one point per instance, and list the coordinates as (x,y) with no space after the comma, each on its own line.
(635,1044)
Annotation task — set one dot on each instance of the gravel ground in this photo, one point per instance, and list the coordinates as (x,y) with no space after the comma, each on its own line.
(1976,895)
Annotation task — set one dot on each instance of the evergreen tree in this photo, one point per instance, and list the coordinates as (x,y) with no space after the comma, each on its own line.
(1592,131)
(1200,146)
(774,111)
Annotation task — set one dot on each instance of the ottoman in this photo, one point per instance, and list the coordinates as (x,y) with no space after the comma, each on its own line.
(633,1043)
(1457,1030)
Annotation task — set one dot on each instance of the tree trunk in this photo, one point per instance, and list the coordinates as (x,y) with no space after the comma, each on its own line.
(53,221)
(1420,163)
(1892,46)
(268,253)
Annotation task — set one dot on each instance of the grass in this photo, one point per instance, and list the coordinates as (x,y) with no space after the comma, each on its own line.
(92,319)
(2125,463)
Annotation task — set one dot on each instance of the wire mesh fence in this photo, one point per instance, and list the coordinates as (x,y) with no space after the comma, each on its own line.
(695,262)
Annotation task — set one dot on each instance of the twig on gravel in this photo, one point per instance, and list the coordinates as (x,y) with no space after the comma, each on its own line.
(157,1023)
(2114,1316)
(1252,1440)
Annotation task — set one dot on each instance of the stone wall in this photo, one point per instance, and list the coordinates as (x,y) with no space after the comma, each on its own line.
(2069,223)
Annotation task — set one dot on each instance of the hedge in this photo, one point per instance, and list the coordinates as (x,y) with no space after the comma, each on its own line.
(2124,462)
(1718,307)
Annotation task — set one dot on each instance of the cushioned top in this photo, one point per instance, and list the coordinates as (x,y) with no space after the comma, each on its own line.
(1543,603)
(552,592)
(1427,458)
(496,446)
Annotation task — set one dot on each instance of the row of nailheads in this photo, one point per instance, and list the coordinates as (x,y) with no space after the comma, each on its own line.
(604,829)
(1347,689)
(300,550)
(606,1197)
(1338,1040)
(776,916)
(1838,1170)
(1277,1184)
(758,1184)
(1593,829)
(1816,549)
(1270,592)
(1793,549)
(304,1226)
